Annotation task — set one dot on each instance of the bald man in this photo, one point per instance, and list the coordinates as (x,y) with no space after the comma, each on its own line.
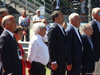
(24,22)
(8,47)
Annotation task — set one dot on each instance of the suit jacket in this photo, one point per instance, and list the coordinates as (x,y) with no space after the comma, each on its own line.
(1,66)
(8,48)
(96,40)
(74,47)
(1,30)
(57,45)
(88,62)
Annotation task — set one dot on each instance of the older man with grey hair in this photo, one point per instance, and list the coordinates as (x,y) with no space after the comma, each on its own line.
(96,37)
(74,59)
(38,54)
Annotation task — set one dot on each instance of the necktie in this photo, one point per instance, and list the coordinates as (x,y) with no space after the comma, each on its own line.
(81,39)
(89,38)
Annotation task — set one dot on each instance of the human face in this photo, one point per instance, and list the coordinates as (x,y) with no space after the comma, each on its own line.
(42,32)
(64,25)
(24,13)
(12,24)
(76,21)
(60,19)
(2,15)
(89,31)
(38,13)
(19,35)
(98,15)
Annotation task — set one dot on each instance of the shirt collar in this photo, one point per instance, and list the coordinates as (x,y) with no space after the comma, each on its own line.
(96,21)
(39,36)
(59,26)
(75,27)
(9,32)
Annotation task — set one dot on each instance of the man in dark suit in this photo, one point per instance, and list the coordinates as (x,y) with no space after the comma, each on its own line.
(8,47)
(88,62)
(57,44)
(96,36)
(74,45)
(3,12)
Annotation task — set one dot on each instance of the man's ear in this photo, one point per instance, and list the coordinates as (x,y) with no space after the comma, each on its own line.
(7,24)
(55,18)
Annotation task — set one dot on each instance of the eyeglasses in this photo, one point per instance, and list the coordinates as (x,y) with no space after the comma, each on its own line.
(99,13)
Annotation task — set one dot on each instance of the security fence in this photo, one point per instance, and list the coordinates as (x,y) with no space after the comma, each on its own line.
(82,7)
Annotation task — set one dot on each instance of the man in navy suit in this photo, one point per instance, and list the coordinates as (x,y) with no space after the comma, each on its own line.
(88,62)
(96,36)
(74,59)
(8,47)
(57,44)
(3,12)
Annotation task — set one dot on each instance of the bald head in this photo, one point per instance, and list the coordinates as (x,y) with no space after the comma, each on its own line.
(9,23)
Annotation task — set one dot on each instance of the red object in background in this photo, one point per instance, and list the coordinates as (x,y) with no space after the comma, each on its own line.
(24,33)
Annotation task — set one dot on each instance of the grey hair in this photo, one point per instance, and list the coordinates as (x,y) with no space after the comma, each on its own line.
(72,16)
(37,27)
(94,11)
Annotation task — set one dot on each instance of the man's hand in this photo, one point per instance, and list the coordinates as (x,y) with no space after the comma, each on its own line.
(69,67)
(54,66)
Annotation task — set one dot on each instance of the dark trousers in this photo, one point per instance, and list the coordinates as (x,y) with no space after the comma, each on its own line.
(75,70)
(37,69)
(60,70)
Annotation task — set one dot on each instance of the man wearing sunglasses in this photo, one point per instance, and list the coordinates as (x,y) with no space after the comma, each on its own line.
(96,37)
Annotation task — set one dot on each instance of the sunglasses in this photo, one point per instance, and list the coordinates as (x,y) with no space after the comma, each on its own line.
(99,13)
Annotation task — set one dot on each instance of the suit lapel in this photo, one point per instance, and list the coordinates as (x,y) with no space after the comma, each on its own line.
(59,30)
(95,27)
(77,35)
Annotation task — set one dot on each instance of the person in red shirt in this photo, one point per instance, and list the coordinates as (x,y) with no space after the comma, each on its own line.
(18,33)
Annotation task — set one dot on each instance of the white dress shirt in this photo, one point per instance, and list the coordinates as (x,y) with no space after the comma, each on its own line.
(38,50)
(98,24)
